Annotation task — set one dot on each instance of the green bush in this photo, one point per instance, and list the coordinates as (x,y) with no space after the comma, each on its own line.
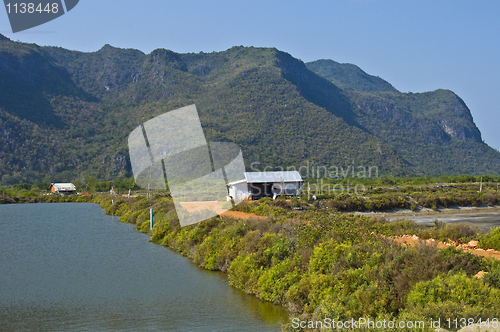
(490,199)
(493,275)
(443,232)
(455,295)
(29,193)
(490,240)
(321,263)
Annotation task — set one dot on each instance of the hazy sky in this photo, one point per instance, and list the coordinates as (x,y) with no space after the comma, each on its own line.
(415,45)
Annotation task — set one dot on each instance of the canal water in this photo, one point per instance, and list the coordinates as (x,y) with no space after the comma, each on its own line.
(69,267)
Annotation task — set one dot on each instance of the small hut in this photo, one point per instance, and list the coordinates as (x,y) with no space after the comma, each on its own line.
(266,184)
(64,189)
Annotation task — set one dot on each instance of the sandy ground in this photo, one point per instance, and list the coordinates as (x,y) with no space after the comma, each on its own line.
(195,206)
(467,247)
(242,215)
(217,207)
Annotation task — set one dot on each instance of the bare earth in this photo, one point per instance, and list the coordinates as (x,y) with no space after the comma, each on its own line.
(412,240)
(241,215)
(196,206)
(217,207)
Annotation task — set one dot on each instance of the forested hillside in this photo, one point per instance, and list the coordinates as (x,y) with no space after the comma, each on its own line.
(66,114)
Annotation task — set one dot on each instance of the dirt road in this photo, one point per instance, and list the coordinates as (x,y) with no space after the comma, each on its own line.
(218,208)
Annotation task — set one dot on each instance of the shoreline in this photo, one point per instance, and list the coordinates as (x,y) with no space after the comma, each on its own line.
(177,243)
(396,212)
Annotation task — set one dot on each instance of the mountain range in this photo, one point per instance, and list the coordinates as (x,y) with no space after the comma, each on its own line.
(67,114)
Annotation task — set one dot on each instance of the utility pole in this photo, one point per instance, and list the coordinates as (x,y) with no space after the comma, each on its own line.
(283,187)
(151,218)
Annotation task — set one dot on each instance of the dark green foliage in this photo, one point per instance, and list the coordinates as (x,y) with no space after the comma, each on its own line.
(493,275)
(21,186)
(431,136)
(34,196)
(407,197)
(490,240)
(455,295)
(446,232)
(374,203)
(348,76)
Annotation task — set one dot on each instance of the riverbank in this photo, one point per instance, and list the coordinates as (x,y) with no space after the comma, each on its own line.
(320,263)
(69,267)
(28,199)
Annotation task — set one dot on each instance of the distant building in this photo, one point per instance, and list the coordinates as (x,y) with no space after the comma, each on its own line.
(62,188)
(265,184)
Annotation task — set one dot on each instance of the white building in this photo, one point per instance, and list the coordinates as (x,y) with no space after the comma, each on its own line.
(62,188)
(265,184)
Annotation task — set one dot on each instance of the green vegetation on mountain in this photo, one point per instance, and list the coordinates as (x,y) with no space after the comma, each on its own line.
(66,115)
(349,77)
(433,132)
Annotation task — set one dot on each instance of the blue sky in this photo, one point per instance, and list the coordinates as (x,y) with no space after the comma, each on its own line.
(415,45)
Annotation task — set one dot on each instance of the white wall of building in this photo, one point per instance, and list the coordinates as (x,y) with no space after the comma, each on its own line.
(239,192)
